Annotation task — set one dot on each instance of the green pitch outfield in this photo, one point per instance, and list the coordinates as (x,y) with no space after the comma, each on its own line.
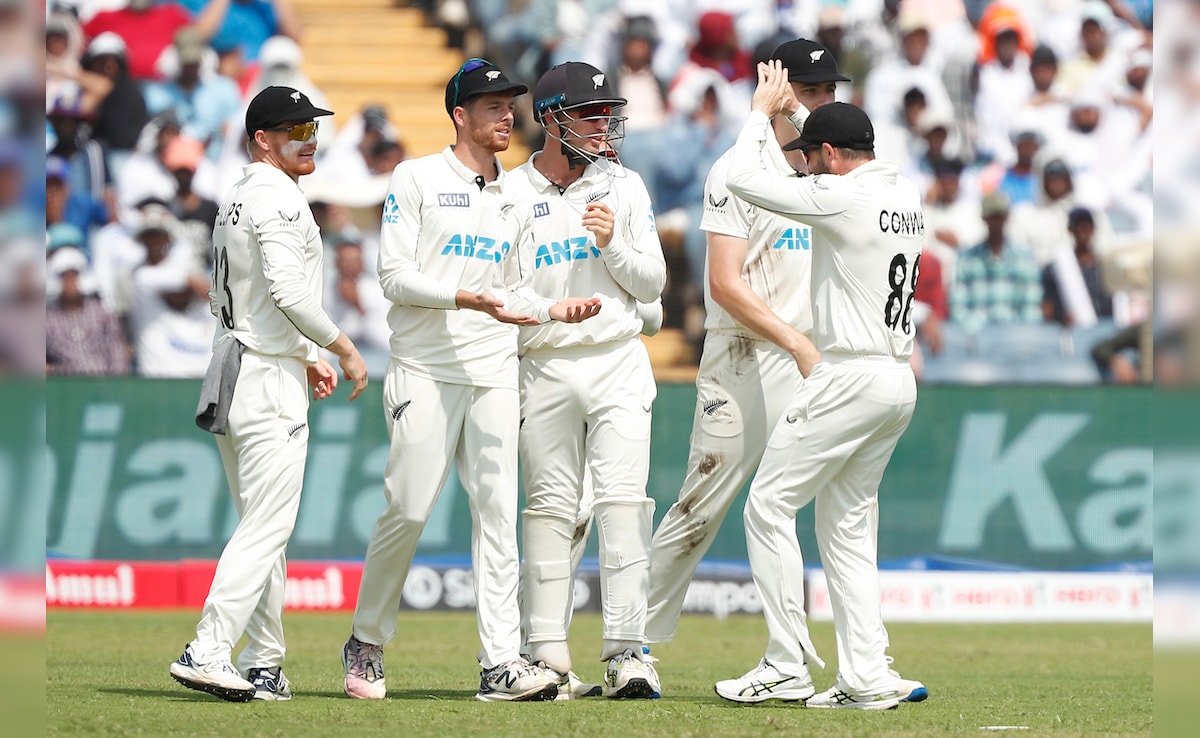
(106,674)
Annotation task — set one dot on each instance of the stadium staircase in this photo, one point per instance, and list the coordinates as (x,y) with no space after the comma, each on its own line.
(360,52)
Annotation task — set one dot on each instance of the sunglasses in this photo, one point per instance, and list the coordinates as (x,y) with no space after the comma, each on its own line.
(470,65)
(299,131)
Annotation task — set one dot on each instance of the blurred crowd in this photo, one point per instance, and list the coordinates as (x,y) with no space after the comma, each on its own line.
(1027,124)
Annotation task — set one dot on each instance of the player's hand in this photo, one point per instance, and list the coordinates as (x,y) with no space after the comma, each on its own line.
(575,309)
(354,369)
(804,352)
(488,303)
(598,218)
(772,90)
(322,378)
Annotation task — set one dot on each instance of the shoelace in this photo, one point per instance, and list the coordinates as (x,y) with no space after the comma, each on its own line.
(367,654)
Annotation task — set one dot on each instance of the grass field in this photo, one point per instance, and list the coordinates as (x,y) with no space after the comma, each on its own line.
(106,674)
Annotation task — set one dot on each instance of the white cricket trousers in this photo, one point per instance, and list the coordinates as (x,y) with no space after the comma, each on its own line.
(742,387)
(264,451)
(586,407)
(432,424)
(832,445)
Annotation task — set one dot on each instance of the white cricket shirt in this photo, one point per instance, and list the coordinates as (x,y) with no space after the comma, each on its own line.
(442,232)
(869,228)
(267,273)
(558,257)
(778,264)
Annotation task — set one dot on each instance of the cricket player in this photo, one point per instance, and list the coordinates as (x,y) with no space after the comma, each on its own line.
(587,390)
(449,231)
(839,430)
(757,300)
(266,295)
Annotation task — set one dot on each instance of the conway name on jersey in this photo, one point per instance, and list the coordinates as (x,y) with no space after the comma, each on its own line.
(868,222)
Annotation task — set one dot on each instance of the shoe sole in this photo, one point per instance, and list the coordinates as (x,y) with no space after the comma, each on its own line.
(270,697)
(547,693)
(891,704)
(229,694)
(757,699)
(635,689)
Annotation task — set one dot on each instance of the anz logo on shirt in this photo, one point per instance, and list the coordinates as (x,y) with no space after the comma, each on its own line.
(391,210)
(568,250)
(794,239)
(475,247)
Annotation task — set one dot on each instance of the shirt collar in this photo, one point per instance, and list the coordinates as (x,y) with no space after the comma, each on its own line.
(468,175)
(541,184)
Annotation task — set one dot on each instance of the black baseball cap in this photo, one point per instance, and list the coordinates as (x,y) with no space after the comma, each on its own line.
(841,125)
(808,62)
(275,106)
(572,84)
(478,77)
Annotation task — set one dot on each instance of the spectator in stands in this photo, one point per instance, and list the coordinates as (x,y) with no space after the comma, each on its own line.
(1003,84)
(1046,108)
(170,324)
(952,219)
(145,175)
(203,100)
(116,252)
(931,304)
(121,115)
(1042,225)
(851,59)
(1018,182)
(898,73)
(87,171)
(355,300)
(65,75)
(997,280)
(1074,291)
(22,309)
(146,26)
(1118,358)
(350,156)
(718,49)
(238,29)
(197,215)
(634,80)
(1135,94)
(64,206)
(82,337)
(693,141)
(1097,128)
(1096,66)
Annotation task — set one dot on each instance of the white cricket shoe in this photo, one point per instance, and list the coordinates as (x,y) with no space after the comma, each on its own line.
(904,690)
(765,682)
(629,677)
(917,691)
(217,678)
(516,681)
(363,663)
(570,686)
(270,684)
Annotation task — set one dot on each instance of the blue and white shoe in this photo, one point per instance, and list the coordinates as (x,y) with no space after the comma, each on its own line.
(904,690)
(217,678)
(270,684)
(516,681)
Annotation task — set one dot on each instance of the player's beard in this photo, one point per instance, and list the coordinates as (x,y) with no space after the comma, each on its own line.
(490,139)
(290,153)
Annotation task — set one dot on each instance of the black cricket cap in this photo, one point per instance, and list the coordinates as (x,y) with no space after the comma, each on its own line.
(572,84)
(478,77)
(808,62)
(275,106)
(841,125)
